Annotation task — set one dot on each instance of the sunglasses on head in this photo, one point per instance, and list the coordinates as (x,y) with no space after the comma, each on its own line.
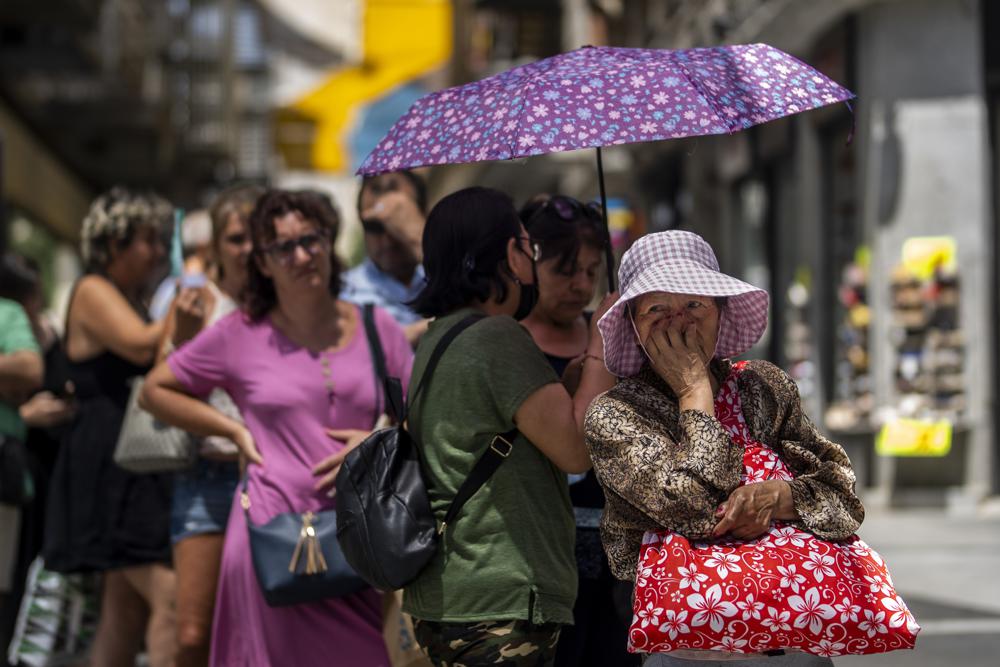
(567,208)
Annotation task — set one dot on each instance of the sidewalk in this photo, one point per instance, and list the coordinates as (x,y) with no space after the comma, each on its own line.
(948,571)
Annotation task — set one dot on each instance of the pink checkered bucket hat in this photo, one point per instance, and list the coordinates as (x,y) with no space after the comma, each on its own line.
(681,263)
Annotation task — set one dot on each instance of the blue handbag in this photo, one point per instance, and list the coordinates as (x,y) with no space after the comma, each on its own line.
(296,557)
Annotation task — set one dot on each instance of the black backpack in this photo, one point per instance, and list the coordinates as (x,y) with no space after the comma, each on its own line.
(385,525)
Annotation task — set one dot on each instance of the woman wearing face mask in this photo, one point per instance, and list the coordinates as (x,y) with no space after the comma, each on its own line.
(504,578)
(689,443)
(297,364)
(571,238)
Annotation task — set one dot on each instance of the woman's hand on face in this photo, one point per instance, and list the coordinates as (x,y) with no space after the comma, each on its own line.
(190,314)
(330,466)
(750,509)
(677,353)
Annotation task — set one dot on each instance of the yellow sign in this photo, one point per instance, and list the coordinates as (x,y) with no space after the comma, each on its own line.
(923,254)
(914,437)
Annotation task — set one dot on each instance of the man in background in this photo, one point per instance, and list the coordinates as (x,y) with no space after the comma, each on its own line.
(392,208)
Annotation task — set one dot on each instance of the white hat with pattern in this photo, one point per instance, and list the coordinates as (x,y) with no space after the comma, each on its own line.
(679,262)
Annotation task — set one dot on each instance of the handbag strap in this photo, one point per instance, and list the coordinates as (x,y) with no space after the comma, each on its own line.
(378,360)
(499,449)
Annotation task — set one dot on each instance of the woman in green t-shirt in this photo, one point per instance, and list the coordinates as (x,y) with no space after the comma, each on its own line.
(503,581)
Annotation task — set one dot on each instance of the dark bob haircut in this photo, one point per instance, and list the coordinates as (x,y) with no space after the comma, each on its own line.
(560,226)
(261,297)
(465,250)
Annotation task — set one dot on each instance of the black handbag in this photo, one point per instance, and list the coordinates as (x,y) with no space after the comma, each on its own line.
(296,556)
(386,528)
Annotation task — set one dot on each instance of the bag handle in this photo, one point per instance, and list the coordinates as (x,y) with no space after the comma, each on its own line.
(378,360)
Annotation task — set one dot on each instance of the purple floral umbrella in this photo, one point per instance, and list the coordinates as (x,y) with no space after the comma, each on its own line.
(602,96)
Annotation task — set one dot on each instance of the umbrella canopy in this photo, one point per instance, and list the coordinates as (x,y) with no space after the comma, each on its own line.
(602,96)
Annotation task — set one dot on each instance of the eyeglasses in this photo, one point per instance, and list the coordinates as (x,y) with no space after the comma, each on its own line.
(567,208)
(284,251)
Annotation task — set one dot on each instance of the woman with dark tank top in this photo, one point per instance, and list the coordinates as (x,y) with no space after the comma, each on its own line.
(101,518)
(571,238)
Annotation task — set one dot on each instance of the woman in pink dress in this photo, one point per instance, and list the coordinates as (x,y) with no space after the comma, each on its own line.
(297,364)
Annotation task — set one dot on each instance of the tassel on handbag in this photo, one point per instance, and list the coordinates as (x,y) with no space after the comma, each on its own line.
(315,563)
(307,577)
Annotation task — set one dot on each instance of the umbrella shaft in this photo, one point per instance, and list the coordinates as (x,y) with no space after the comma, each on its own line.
(608,255)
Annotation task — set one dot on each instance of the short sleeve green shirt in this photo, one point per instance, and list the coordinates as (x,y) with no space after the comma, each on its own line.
(15,335)
(509,553)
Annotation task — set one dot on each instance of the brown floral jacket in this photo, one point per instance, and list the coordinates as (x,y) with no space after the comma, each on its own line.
(662,470)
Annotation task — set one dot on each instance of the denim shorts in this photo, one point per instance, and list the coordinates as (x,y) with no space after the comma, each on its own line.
(203,496)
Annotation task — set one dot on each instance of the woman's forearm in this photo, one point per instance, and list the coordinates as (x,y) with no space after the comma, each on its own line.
(176,408)
(594,381)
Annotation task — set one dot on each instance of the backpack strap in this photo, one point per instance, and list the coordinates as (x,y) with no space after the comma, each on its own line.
(378,360)
(487,464)
(438,352)
(499,449)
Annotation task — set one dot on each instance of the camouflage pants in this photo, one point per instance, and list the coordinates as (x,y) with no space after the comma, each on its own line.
(514,643)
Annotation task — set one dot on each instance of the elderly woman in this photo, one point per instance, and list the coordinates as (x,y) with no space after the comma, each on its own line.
(691,444)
